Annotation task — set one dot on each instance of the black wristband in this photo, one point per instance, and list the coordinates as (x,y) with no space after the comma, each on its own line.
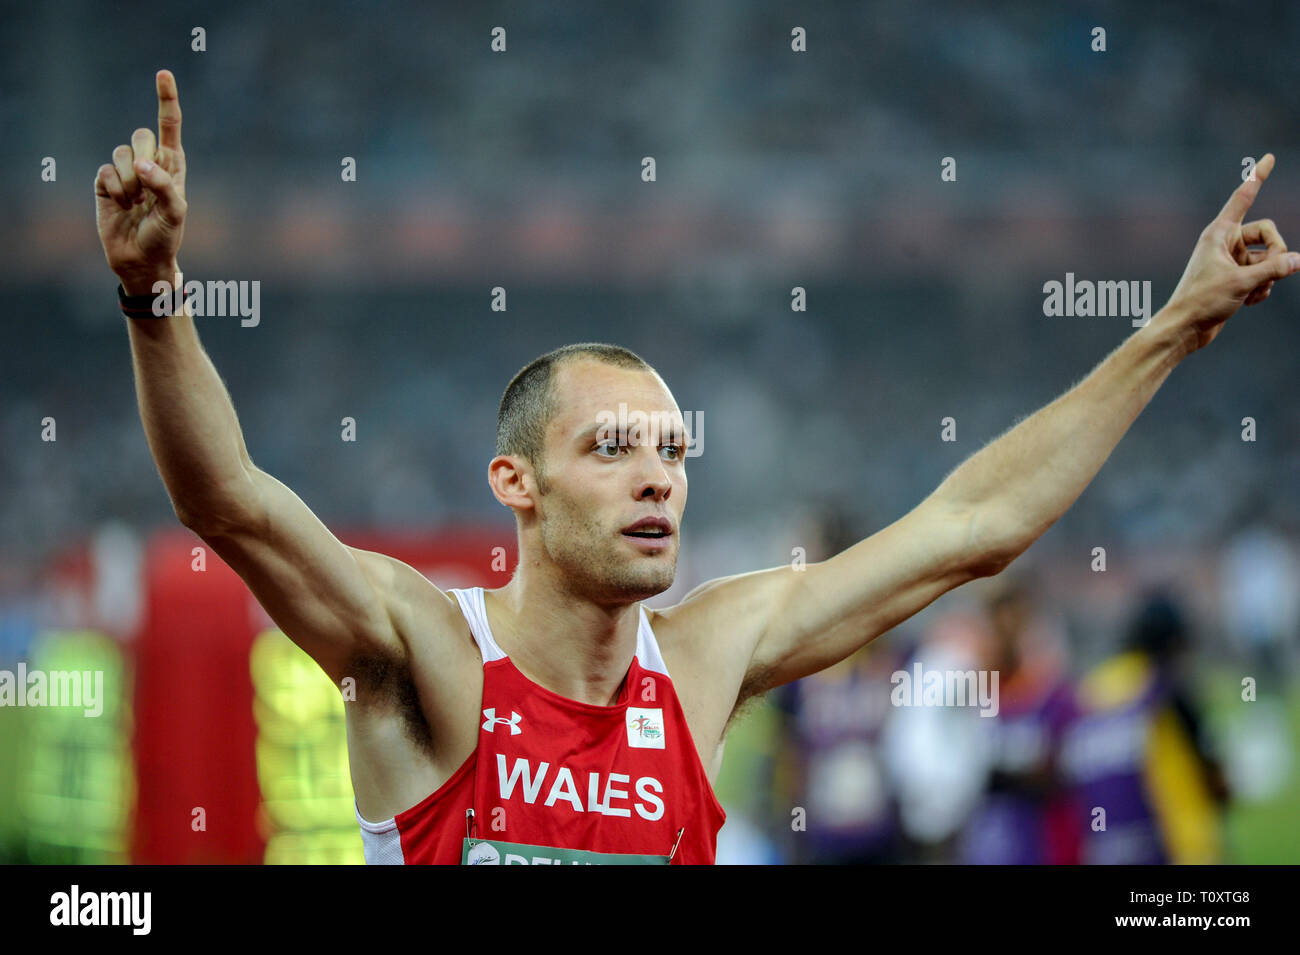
(138,306)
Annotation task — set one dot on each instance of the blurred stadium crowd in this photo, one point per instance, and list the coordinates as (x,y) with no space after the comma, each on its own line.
(522,171)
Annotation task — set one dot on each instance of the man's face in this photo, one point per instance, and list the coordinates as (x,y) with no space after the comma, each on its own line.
(614,473)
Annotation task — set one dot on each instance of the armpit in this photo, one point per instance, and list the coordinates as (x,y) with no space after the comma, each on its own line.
(384,684)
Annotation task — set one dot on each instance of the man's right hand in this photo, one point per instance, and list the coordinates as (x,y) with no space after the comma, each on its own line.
(140,199)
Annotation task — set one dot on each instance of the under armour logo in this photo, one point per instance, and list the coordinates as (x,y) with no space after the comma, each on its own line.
(490,720)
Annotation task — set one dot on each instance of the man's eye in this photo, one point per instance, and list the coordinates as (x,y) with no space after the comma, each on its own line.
(673,451)
(607,449)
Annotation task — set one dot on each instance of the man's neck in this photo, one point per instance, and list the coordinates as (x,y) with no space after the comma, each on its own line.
(563,642)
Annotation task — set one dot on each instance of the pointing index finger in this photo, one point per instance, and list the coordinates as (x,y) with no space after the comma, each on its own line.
(1241,199)
(169,111)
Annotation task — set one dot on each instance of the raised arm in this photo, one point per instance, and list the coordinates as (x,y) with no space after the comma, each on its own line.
(784,624)
(332,600)
(1020,484)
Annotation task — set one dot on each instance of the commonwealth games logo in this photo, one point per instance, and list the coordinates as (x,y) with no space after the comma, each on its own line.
(645,727)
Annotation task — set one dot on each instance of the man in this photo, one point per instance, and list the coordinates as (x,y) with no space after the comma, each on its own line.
(1144,769)
(557,719)
(834,726)
(1024,816)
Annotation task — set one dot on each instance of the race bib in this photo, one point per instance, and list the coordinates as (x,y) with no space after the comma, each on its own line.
(491,852)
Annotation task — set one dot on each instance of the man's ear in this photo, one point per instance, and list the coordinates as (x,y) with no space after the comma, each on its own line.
(511,479)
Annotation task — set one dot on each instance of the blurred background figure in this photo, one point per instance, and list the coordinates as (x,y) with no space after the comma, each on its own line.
(1023,816)
(1149,786)
(828,767)
(834,723)
(934,754)
(1259,579)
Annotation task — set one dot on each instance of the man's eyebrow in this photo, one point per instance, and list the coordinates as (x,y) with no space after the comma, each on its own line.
(670,431)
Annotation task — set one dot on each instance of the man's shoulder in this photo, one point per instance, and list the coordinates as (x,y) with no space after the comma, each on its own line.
(702,653)
(428,619)
(721,619)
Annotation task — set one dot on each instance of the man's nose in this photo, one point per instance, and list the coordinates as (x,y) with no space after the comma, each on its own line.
(652,477)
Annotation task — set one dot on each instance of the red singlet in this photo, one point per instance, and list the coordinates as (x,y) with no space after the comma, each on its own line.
(550,771)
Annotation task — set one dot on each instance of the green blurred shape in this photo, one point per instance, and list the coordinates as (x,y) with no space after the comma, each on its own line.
(302,758)
(1265,832)
(74,777)
(745,779)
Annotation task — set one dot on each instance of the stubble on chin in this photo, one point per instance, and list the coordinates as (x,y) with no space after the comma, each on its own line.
(609,572)
(596,562)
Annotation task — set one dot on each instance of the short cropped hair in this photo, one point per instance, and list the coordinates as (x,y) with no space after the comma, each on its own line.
(529,400)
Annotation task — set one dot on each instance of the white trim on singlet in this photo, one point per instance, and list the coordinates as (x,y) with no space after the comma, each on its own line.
(380,841)
(647,647)
(474,608)
(475,611)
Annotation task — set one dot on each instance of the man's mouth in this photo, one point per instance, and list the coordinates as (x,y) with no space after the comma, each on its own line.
(650,529)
